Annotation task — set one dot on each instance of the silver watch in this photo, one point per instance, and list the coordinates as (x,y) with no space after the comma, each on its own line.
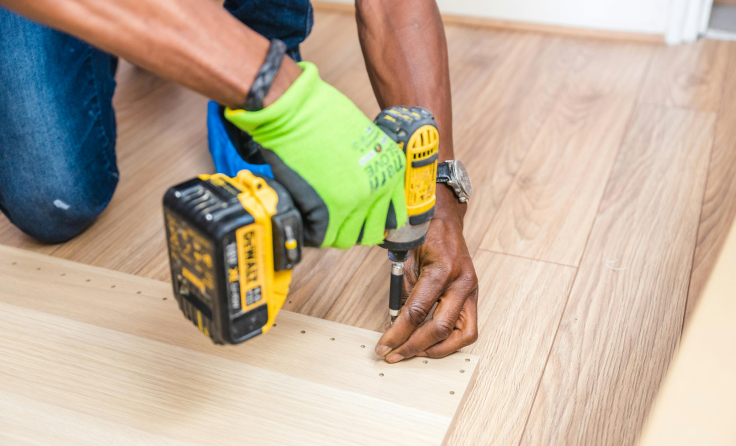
(453,173)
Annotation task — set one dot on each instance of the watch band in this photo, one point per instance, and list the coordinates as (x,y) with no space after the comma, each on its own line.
(443,172)
(265,76)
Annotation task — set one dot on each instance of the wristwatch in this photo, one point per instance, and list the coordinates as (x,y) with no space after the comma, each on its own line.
(453,173)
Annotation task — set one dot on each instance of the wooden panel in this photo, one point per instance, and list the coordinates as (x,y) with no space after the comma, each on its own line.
(689,75)
(519,312)
(697,403)
(719,205)
(549,210)
(108,346)
(624,316)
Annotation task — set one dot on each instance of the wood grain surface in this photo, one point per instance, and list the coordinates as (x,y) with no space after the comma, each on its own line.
(115,350)
(523,300)
(548,212)
(562,174)
(689,76)
(719,204)
(697,403)
(624,315)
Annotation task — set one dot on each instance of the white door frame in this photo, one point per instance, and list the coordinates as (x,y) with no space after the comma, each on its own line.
(687,20)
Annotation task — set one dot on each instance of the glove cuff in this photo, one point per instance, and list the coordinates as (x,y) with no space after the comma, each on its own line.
(282,109)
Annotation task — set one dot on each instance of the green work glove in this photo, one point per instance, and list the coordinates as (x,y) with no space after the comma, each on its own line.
(345,175)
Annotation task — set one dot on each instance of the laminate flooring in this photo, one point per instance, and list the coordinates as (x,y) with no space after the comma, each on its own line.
(605,185)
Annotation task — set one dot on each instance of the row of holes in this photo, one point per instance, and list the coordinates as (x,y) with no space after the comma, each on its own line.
(303,331)
(381,374)
(86,280)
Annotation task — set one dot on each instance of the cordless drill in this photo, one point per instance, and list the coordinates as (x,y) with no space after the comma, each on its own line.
(233,242)
(415,131)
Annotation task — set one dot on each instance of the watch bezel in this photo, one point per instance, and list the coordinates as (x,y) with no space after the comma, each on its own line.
(455,183)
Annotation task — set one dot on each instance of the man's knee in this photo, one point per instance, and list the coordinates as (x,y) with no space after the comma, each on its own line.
(56,211)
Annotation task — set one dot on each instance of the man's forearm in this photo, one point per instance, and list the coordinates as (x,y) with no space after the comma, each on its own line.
(192,42)
(405,50)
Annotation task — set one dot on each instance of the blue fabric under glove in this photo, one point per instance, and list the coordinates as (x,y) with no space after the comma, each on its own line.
(226,158)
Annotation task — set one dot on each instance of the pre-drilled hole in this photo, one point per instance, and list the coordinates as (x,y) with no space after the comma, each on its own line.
(462,371)
(425,361)
(332,339)
(362,346)
(274,325)
(451,392)
(87,280)
(112,286)
(289,301)
(38,269)
(467,359)
(137,292)
(62,274)
(303,331)
(165,298)
(380,374)
(14,263)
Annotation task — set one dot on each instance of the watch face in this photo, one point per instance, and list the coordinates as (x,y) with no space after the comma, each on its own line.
(463,178)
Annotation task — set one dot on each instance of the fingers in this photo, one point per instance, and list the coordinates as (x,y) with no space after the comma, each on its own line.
(464,334)
(348,233)
(412,314)
(436,330)
(375,222)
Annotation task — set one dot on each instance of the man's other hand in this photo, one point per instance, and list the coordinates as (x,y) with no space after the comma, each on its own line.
(439,272)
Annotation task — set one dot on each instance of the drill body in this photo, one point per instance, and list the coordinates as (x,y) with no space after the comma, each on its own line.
(415,131)
(233,242)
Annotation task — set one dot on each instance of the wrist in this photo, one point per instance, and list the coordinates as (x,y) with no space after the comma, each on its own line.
(288,73)
(447,206)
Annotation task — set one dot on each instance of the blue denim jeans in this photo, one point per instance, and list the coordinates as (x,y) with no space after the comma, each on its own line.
(57,125)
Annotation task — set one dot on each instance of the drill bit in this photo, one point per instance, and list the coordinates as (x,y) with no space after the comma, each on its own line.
(394,294)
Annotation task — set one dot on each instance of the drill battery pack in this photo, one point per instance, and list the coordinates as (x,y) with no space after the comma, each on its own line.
(232,244)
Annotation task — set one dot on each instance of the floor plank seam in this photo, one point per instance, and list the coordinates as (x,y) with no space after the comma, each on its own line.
(700,221)
(645,74)
(525,258)
(526,156)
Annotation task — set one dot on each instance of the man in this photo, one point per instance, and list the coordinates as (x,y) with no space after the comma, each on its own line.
(57,125)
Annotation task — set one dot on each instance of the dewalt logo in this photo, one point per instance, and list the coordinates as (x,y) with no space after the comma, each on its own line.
(251,257)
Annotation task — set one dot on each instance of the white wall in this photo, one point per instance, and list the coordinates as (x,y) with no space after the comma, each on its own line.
(640,16)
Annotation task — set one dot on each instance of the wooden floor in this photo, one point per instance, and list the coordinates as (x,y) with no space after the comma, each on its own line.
(605,179)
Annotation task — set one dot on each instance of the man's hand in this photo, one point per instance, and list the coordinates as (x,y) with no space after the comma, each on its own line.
(438,272)
(341,170)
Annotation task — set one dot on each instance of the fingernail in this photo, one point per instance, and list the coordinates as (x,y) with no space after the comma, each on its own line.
(382,350)
(394,358)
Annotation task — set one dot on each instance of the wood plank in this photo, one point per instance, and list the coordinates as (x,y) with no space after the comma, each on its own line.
(519,313)
(108,346)
(719,205)
(624,316)
(697,402)
(688,76)
(549,210)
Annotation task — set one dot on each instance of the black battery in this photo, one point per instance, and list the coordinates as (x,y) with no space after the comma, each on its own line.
(202,218)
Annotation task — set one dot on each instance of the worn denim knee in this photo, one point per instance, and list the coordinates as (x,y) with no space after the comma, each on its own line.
(57,130)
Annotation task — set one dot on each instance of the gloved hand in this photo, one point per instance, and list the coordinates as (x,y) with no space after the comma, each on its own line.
(341,170)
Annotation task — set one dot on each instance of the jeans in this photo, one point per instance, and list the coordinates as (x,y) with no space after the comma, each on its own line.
(58,169)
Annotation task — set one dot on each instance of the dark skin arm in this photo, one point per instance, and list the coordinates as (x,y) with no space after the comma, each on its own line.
(192,42)
(405,40)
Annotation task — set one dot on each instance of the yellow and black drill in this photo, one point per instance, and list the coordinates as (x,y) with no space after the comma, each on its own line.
(233,242)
